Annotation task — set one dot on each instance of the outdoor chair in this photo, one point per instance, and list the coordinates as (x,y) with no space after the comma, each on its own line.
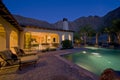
(10,59)
(21,52)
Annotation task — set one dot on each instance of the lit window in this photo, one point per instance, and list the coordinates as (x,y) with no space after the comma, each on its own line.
(69,37)
(49,37)
(63,37)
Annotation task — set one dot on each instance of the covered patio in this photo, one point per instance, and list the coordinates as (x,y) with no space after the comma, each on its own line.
(41,40)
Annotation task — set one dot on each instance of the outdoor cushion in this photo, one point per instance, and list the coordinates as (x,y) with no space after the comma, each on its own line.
(31,58)
(21,52)
(10,59)
(5,55)
(18,52)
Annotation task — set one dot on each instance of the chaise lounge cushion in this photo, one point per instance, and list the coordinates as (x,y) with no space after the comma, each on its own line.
(32,58)
(10,59)
(21,52)
(7,56)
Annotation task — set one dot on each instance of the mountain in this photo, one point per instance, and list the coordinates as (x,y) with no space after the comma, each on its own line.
(93,21)
(32,22)
(112,15)
(58,25)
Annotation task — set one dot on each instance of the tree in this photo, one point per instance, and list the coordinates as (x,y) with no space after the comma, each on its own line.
(86,31)
(98,32)
(66,44)
(77,39)
(109,31)
(116,28)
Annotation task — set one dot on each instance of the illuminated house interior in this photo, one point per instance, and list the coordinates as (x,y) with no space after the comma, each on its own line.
(41,40)
(13,34)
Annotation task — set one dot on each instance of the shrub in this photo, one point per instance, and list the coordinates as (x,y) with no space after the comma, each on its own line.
(66,44)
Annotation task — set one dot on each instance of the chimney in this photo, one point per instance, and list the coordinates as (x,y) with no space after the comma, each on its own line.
(65,24)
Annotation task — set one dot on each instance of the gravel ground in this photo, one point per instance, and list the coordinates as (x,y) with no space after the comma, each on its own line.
(49,67)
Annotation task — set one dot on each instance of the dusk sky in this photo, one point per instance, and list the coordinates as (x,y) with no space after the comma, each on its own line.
(54,10)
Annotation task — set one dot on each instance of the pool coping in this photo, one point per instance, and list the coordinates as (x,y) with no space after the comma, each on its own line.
(81,70)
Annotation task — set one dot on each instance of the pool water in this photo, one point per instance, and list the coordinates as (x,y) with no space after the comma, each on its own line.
(96,59)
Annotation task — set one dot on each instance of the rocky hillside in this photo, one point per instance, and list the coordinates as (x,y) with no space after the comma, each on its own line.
(93,21)
(32,22)
(115,14)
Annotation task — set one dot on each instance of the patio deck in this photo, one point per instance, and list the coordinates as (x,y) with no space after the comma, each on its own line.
(50,66)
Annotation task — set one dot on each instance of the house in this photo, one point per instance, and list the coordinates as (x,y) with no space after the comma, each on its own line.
(29,37)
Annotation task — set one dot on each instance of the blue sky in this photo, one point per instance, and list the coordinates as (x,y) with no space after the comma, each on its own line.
(54,10)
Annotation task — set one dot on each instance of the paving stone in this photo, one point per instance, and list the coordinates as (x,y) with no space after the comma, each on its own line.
(49,67)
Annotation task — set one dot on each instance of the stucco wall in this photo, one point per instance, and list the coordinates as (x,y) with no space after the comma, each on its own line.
(60,33)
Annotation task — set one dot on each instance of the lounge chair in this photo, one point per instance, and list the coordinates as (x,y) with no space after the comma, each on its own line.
(21,52)
(10,59)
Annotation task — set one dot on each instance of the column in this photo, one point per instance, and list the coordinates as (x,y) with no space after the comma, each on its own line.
(21,40)
(8,39)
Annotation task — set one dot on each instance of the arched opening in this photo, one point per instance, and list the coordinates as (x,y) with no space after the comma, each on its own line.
(2,38)
(13,40)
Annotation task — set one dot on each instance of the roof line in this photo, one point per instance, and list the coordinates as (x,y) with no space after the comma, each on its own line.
(29,26)
(4,12)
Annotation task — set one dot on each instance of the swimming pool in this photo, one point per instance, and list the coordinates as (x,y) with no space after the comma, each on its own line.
(96,59)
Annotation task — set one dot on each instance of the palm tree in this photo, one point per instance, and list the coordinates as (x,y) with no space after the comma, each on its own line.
(77,38)
(109,31)
(116,28)
(85,32)
(98,33)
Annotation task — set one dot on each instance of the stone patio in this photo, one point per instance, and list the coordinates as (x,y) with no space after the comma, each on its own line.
(50,66)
